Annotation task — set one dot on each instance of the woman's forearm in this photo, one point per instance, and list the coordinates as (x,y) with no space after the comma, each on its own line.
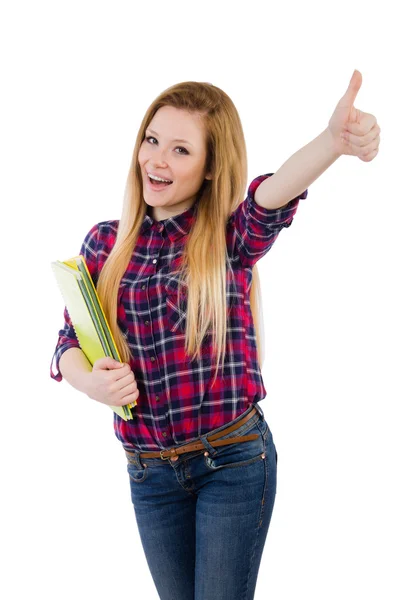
(298,172)
(75,368)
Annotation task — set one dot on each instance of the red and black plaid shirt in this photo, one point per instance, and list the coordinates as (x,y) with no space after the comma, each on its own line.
(175,403)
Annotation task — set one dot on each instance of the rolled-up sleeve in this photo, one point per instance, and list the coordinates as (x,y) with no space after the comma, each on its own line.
(67,336)
(254,229)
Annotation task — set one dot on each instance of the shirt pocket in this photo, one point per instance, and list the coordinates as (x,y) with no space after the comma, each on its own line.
(176,313)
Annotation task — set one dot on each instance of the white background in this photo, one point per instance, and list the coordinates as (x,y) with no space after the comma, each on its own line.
(77,78)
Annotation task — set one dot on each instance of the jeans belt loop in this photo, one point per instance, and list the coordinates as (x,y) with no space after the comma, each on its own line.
(207,445)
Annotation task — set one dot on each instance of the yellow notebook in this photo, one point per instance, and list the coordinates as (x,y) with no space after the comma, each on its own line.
(89,321)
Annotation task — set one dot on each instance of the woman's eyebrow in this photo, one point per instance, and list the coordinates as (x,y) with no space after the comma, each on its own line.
(176,140)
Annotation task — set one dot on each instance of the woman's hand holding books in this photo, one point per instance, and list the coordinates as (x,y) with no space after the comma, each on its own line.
(112,382)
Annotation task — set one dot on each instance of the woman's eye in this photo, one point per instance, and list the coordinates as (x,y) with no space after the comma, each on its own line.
(150,137)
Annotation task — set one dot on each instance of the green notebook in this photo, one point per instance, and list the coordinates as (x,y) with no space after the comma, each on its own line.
(89,321)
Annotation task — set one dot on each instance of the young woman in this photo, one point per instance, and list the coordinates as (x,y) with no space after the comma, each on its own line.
(178,280)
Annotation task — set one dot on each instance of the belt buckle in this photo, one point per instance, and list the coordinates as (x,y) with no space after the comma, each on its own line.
(173,453)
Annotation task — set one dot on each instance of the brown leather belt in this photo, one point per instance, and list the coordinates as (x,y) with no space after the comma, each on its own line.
(164,454)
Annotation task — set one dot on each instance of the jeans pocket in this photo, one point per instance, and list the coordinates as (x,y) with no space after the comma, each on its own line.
(136,473)
(238,454)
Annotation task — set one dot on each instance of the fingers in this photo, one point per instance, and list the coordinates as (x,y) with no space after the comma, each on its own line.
(117,374)
(365,146)
(366,124)
(125,389)
(370,156)
(130,387)
(362,140)
(370,147)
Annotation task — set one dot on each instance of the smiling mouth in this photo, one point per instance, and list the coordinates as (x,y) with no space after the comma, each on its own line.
(157,185)
(153,179)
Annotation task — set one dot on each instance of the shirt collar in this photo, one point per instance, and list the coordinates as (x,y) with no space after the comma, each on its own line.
(176,226)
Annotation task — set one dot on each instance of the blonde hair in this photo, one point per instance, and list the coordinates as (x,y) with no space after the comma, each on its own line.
(204,260)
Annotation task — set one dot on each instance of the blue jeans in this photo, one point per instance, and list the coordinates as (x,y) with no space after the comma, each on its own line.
(203,520)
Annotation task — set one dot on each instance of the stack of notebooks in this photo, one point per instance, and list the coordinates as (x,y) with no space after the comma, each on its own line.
(89,322)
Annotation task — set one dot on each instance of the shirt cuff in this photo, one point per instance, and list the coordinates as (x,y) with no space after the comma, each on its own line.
(57,355)
(282,215)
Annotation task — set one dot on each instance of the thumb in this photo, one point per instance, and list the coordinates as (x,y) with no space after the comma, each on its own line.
(353,89)
(107,362)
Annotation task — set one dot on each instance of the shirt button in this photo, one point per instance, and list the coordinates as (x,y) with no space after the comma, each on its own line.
(164,434)
(154,260)
(143,287)
(152,358)
(147,322)
(157,398)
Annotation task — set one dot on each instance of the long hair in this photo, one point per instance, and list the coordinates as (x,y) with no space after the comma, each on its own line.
(204,261)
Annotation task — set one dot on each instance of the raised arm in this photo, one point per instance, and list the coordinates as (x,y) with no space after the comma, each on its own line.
(350,131)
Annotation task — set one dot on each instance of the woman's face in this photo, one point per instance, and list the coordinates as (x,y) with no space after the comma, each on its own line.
(181,162)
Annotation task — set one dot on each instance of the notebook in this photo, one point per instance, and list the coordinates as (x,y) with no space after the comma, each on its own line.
(89,321)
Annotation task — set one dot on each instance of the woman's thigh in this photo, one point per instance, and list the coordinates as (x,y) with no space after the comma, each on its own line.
(166,519)
(233,514)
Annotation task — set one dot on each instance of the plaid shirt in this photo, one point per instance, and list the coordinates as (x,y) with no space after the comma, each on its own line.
(175,404)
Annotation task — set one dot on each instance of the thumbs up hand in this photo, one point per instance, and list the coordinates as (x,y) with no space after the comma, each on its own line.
(354,132)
